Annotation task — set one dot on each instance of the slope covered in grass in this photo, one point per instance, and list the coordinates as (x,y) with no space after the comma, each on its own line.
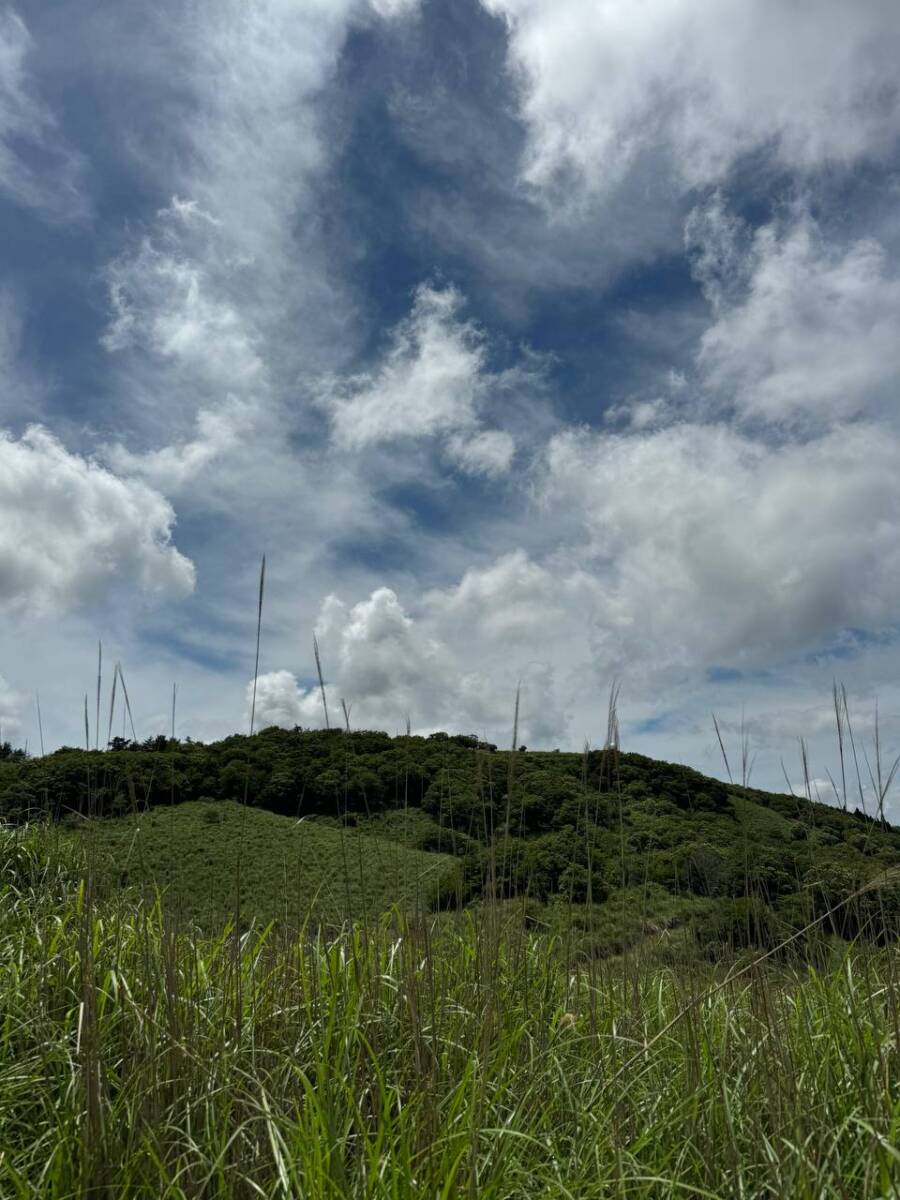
(212,861)
(456,1056)
(555,828)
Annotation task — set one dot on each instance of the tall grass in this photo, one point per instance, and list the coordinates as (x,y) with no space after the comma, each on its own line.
(460,1055)
(449,1055)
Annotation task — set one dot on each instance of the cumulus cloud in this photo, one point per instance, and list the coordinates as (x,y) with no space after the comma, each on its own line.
(712,547)
(433,380)
(72,530)
(377,648)
(281,701)
(429,382)
(453,663)
(375,656)
(664,553)
(805,328)
(603,84)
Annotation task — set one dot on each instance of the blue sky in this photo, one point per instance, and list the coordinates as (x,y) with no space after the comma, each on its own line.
(529,341)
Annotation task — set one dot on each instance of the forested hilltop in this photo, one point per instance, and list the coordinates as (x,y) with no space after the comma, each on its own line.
(547,825)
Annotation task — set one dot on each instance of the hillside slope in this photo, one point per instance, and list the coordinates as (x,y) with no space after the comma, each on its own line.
(555,827)
(214,862)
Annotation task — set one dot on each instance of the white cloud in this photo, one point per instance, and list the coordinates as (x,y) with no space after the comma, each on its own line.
(455,664)
(515,601)
(604,83)
(281,701)
(374,656)
(70,531)
(378,650)
(218,432)
(177,319)
(711,547)
(488,453)
(164,300)
(434,379)
(26,124)
(806,329)
(429,382)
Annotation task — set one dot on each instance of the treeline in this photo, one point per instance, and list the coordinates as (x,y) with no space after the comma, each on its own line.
(331,772)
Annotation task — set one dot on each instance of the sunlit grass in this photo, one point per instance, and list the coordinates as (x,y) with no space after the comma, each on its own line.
(453,1056)
(290,870)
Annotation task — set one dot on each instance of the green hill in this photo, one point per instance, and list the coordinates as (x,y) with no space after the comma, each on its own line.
(215,862)
(657,985)
(448,820)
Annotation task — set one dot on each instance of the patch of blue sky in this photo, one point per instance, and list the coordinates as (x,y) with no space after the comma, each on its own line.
(657,724)
(850,644)
(724,675)
(414,115)
(383,555)
(197,648)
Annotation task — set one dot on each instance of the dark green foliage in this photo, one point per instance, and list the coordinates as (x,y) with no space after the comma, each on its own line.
(572,828)
(562,864)
(740,924)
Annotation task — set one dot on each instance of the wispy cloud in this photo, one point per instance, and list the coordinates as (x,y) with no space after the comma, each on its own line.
(37,168)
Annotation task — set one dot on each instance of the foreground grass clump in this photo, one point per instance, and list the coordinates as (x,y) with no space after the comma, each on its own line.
(197,853)
(453,1056)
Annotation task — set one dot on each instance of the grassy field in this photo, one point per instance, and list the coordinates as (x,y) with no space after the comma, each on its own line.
(218,861)
(425,968)
(458,1055)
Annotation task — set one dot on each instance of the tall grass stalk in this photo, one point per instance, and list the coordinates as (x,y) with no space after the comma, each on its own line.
(321,680)
(99,685)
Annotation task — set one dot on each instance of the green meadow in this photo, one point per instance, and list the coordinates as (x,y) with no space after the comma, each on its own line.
(333,965)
